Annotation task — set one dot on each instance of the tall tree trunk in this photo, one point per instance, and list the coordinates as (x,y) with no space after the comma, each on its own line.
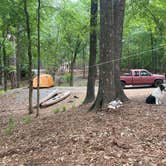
(29,56)
(2,59)
(73,61)
(72,68)
(38,52)
(4,67)
(18,56)
(152,51)
(0,71)
(92,71)
(111,28)
(118,33)
(12,63)
(128,53)
(1,66)
(84,63)
(4,62)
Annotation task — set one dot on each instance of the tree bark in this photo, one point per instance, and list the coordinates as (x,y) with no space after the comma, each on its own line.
(29,56)
(18,56)
(4,67)
(12,63)
(84,62)
(1,75)
(111,28)
(38,52)
(118,34)
(4,62)
(72,69)
(92,71)
(73,61)
(1,62)
(13,79)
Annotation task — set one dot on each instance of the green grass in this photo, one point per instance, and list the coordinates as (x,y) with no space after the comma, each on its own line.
(64,109)
(2,92)
(26,119)
(56,110)
(11,126)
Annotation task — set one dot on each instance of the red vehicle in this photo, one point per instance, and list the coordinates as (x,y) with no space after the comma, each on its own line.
(141,77)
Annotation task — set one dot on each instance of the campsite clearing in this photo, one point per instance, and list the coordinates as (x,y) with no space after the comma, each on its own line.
(133,134)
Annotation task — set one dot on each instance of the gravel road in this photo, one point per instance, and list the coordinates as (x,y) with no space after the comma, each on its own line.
(137,93)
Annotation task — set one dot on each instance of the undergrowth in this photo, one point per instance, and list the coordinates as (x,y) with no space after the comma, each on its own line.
(11,126)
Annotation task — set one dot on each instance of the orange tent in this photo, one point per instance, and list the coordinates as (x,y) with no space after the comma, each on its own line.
(46,81)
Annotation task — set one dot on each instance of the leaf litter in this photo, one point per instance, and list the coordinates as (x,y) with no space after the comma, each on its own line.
(132,135)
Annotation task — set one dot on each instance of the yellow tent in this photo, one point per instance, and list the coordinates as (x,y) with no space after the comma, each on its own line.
(46,81)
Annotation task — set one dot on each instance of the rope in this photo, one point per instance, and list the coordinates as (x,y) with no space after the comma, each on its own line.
(130,56)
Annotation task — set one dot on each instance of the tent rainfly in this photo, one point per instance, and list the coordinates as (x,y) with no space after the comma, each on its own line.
(46,81)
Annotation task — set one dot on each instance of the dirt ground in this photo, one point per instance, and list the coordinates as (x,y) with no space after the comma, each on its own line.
(132,135)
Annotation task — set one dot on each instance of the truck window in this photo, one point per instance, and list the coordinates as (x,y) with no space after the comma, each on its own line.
(144,73)
(136,73)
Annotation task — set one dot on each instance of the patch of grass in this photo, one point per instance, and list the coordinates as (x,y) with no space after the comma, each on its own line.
(73,106)
(64,109)
(26,119)
(11,126)
(56,110)
(68,76)
(2,92)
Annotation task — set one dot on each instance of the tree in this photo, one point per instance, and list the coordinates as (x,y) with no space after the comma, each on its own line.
(92,71)
(12,61)
(73,32)
(38,52)
(144,21)
(4,61)
(18,55)
(111,28)
(29,56)
(73,59)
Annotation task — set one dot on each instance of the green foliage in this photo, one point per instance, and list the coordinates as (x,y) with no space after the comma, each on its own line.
(64,24)
(24,70)
(11,126)
(11,69)
(26,119)
(2,92)
(143,43)
(64,109)
(66,77)
(56,110)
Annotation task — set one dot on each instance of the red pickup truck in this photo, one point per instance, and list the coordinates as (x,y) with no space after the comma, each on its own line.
(141,77)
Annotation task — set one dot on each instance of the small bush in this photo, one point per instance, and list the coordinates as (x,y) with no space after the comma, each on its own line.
(67,77)
(11,126)
(2,92)
(56,110)
(64,109)
(26,119)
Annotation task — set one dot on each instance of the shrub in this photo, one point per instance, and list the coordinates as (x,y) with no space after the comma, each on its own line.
(11,126)
(56,110)
(64,109)
(26,119)
(1,92)
(67,77)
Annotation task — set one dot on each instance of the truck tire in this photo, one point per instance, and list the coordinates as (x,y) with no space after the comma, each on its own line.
(157,83)
(122,84)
